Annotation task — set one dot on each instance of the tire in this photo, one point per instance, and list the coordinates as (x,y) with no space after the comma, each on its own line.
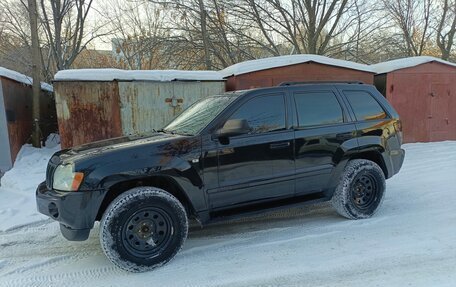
(360,191)
(143,228)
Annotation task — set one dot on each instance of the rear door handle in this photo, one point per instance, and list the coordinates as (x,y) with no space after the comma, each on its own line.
(279,145)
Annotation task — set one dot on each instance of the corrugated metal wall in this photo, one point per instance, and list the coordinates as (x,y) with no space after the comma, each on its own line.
(17,110)
(18,106)
(299,72)
(90,111)
(425,98)
(87,111)
(149,105)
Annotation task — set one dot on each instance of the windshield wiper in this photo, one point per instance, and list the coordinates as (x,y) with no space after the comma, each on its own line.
(174,132)
(166,131)
(184,133)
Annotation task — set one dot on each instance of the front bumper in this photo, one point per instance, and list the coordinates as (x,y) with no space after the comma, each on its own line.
(75,211)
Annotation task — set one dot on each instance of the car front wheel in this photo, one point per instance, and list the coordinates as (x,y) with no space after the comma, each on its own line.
(143,228)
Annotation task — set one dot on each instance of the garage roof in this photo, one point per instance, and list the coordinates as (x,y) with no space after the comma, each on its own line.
(281,61)
(21,78)
(106,75)
(404,63)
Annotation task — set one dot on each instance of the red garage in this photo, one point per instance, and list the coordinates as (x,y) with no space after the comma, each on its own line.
(16,119)
(423,91)
(270,72)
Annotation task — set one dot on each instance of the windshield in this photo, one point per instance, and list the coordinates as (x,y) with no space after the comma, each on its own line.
(194,119)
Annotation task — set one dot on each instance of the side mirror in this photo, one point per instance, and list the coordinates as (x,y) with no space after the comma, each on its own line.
(234,127)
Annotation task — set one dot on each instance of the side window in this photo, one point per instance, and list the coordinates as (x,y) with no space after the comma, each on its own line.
(318,108)
(264,113)
(365,106)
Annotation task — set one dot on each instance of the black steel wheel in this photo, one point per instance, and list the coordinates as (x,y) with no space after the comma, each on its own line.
(364,191)
(360,191)
(147,232)
(143,228)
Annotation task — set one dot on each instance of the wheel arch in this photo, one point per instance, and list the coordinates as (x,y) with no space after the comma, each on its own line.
(164,182)
(374,155)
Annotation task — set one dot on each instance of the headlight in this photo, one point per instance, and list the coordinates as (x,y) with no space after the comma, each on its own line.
(66,179)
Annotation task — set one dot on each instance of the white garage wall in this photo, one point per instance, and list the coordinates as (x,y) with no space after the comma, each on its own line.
(5,151)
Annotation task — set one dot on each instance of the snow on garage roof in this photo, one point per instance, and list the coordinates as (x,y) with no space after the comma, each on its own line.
(21,78)
(106,75)
(404,63)
(281,61)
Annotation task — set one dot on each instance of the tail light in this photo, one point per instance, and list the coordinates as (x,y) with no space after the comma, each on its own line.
(398,126)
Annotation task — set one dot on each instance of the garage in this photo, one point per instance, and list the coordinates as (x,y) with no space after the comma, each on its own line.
(16,114)
(273,71)
(97,104)
(423,91)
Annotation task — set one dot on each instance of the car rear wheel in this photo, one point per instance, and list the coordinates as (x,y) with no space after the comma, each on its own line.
(360,191)
(143,228)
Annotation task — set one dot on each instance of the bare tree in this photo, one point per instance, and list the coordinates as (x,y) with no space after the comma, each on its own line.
(62,29)
(64,22)
(33,15)
(190,19)
(15,41)
(413,19)
(446,29)
(213,34)
(307,25)
(207,33)
(139,35)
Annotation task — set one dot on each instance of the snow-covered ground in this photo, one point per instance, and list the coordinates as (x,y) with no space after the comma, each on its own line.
(410,242)
(17,187)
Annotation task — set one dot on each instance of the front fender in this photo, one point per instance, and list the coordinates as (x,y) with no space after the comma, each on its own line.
(179,171)
(108,175)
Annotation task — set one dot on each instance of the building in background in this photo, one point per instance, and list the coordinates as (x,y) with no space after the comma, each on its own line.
(272,71)
(16,114)
(96,104)
(423,91)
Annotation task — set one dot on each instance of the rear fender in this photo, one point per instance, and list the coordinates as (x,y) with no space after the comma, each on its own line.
(341,157)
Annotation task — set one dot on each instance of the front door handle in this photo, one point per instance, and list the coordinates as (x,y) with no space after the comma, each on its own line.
(279,145)
(344,136)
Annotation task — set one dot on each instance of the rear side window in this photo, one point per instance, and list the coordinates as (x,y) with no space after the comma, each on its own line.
(318,108)
(263,113)
(365,106)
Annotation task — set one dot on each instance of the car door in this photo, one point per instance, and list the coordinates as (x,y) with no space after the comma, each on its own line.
(323,125)
(259,165)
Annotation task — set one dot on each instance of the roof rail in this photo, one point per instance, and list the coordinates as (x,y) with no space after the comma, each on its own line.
(320,82)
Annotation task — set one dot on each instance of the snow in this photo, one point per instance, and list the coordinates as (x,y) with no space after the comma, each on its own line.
(280,61)
(237,69)
(390,66)
(18,185)
(137,75)
(411,241)
(52,141)
(172,75)
(21,78)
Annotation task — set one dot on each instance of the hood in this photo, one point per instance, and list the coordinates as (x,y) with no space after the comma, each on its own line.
(131,146)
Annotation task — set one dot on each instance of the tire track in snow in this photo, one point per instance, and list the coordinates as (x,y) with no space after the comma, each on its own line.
(43,250)
(75,278)
(45,263)
(33,225)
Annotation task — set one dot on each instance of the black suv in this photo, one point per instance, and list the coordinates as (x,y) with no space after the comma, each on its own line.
(228,155)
